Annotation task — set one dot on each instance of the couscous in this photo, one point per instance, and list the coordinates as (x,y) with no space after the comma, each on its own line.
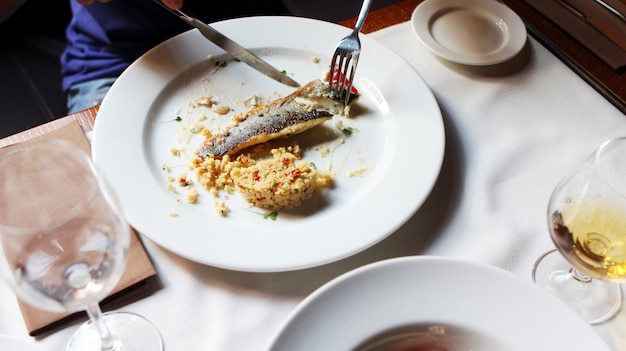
(280,182)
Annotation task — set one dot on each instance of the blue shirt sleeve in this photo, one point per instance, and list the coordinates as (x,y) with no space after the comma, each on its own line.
(104,38)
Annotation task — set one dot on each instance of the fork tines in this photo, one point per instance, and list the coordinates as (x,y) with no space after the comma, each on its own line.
(342,71)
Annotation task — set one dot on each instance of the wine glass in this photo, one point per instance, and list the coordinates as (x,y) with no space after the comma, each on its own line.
(65,242)
(587,221)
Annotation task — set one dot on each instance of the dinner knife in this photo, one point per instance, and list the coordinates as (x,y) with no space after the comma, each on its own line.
(601,26)
(238,51)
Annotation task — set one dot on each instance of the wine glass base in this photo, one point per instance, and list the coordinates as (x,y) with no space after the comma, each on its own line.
(130,331)
(594,300)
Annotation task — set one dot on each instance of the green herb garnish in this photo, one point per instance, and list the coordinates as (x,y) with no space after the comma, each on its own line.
(270,215)
(177,119)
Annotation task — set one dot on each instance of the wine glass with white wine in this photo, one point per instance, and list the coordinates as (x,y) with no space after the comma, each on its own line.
(587,221)
(65,242)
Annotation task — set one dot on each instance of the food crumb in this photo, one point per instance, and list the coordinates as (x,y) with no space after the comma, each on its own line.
(252,101)
(173,214)
(204,100)
(183,180)
(324,150)
(221,208)
(197,129)
(220,109)
(357,172)
(192,196)
(326,76)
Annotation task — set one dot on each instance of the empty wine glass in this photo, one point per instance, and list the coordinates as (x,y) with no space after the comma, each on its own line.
(65,242)
(587,221)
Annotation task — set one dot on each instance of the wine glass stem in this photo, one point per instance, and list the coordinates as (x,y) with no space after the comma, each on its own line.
(580,276)
(95,314)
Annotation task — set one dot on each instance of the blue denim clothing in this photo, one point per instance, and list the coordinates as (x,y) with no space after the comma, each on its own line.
(84,95)
(104,38)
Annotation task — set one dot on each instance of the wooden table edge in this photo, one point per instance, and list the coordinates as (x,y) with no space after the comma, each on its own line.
(610,84)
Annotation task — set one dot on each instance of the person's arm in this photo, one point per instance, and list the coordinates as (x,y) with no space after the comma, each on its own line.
(8,7)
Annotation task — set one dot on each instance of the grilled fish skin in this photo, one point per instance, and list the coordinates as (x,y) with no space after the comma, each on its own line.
(304,109)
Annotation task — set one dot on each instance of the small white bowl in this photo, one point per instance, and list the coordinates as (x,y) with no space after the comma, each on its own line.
(471,32)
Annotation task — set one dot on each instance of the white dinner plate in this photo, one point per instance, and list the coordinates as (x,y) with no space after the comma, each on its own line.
(395,151)
(471,32)
(490,307)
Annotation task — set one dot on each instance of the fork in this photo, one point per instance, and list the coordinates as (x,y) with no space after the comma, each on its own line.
(346,57)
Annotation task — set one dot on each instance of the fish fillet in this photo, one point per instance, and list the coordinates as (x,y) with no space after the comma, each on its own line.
(304,109)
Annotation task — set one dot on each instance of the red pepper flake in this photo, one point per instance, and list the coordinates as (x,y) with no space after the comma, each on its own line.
(277,186)
(296,173)
(286,162)
(182,181)
(336,79)
(255,176)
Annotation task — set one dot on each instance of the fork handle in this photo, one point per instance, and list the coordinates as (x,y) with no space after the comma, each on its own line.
(362,14)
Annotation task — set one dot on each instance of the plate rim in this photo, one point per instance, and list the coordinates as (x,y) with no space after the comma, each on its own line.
(420,23)
(103,156)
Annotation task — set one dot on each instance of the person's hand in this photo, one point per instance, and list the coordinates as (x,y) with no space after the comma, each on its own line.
(173,4)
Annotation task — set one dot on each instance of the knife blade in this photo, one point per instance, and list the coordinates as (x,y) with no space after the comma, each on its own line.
(603,27)
(238,51)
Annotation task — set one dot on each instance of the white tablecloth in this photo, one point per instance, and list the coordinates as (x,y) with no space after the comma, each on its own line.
(511,135)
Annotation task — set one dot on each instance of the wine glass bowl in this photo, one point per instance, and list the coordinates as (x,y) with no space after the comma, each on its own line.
(66,249)
(65,240)
(587,222)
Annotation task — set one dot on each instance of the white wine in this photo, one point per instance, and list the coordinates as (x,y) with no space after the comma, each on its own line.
(591,232)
